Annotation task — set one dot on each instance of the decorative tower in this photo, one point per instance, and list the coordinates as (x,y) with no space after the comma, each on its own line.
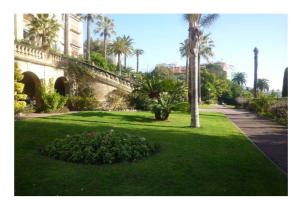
(255,72)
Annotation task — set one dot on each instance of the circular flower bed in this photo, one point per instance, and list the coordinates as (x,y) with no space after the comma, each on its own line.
(100,148)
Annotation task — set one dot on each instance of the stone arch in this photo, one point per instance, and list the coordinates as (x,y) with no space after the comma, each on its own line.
(32,87)
(61,86)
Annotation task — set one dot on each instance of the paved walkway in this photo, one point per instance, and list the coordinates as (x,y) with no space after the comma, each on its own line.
(268,136)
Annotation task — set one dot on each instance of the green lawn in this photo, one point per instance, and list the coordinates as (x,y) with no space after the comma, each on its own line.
(207,106)
(213,160)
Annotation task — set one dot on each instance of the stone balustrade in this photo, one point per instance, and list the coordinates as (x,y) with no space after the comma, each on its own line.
(38,56)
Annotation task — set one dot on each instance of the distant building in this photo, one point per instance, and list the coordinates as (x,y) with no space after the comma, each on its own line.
(75,32)
(227,68)
(180,70)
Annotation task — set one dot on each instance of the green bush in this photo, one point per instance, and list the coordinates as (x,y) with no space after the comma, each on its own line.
(262,103)
(116,100)
(52,101)
(279,111)
(100,148)
(78,103)
(183,107)
(19,97)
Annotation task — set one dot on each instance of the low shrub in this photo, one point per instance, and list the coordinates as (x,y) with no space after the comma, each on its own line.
(78,103)
(183,107)
(116,100)
(100,148)
(262,103)
(279,111)
(52,101)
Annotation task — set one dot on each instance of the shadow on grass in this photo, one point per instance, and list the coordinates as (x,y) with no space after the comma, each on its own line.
(188,164)
(136,118)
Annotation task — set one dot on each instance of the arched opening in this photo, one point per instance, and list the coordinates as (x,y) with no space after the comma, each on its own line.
(32,87)
(61,86)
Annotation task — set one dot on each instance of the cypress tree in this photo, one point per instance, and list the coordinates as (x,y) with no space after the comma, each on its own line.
(285,83)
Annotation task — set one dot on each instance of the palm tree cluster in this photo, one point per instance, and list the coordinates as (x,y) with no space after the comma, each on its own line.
(105,27)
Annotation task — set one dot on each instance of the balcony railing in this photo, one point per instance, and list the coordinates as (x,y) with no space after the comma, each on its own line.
(27,53)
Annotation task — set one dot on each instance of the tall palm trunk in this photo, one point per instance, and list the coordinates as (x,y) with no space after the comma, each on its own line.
(119,64)
(88,45)
(125,58)
(255,72)
(193,62)
(66,35)
(105,48)
(137,63)
(186,70)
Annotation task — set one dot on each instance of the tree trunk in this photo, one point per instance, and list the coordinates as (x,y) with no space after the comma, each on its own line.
(137,63)
(255,72)
(199,79)
(119,65)
(104,42)
(190,83)
(88,46)
(66,35)
(125,58)
(187,70)
(194,34)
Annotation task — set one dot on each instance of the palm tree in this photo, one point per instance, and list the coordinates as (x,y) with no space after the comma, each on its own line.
(128,47)
(263,84)
(66,34)
(89,18)
(239,78)
(255,71)
(195,22)
(138,52)
(105,26)
(205,50)
(43,30)
(184,52)
(118,47)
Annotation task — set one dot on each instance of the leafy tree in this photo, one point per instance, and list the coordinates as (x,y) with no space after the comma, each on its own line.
(205,51)
(105,27)
(89,18)
(263,84)
(239,78)
(43,30)
(19,97)
(163,72)
(216,70)
(138,52)
(100,61)
(285,83)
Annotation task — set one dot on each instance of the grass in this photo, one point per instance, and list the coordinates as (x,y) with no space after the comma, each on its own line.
(215,159)
(207,106)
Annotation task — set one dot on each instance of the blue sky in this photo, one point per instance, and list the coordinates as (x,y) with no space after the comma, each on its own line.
(235,36)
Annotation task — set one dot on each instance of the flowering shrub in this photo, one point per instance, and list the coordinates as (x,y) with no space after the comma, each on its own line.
(100,148)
